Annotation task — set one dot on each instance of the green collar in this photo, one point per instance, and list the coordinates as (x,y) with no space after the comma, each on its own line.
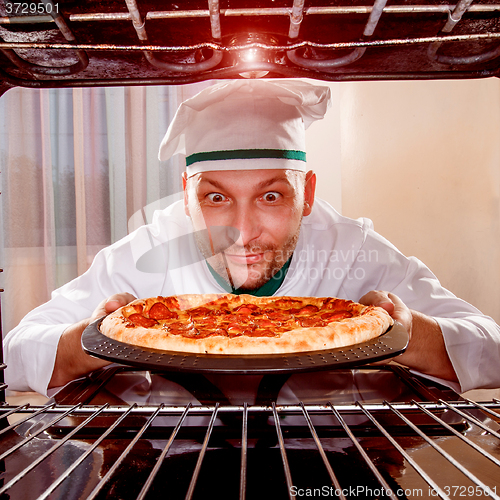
(265,290)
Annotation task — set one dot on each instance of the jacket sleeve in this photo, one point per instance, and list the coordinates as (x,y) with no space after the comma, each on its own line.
(472,339)
(30,348)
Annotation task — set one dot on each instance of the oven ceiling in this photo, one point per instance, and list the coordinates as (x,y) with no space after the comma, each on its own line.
(137,42)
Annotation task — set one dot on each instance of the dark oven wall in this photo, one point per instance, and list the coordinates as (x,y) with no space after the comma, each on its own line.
(132,42)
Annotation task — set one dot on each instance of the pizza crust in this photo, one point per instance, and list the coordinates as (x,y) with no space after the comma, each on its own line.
(369,322)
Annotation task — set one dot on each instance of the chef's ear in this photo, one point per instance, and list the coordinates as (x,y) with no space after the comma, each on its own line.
(185,192)
(309,190)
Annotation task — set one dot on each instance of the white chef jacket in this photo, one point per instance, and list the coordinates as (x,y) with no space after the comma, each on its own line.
(335,256)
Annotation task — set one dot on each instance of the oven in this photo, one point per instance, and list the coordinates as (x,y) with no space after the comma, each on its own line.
(131,42)
(349,431)
(366,432)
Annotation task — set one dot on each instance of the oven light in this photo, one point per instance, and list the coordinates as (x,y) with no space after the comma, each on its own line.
(249,55)
(252,50)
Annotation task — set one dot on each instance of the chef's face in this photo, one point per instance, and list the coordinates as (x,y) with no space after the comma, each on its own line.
(247,222)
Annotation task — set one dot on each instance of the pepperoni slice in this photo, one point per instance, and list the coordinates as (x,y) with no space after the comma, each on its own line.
(199,312)
(220,312)
(220,331)
(233,332)
(243,310)
(206,323)
(287,303)
(160,311)
(179,326)
(237,329)
(278,316)
(234,325)
(309,309)
(247,309)
(311,322)
(333,303)
(262,332)
(188,333)
(140,320)
(336,316)
(264,323)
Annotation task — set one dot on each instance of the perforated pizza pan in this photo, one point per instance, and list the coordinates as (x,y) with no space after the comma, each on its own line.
(388,345)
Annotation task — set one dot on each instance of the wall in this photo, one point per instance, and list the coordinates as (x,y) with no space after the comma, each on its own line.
(422,160)
(323,141)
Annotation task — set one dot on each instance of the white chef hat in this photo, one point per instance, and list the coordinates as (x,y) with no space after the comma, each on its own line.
(245,124)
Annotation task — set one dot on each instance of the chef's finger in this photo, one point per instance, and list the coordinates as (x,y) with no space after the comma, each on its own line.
(111,304)
(401,312)
(378,298)
(116,301)
(392,304)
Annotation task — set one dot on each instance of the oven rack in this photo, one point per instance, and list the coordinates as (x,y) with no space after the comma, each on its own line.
(456,461)
(332,41)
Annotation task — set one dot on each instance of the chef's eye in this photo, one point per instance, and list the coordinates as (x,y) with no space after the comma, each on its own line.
(216,197)
(271,196)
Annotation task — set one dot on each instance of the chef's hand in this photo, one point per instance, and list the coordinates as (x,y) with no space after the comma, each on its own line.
(111,304)
(392,304)
(71,360)
(426,351)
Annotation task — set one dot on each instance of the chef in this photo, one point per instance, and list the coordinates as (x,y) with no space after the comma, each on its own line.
(250,223)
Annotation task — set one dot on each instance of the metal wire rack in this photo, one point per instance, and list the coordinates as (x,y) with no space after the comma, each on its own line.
(397,450)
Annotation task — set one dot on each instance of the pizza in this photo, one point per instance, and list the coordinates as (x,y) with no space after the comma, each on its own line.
(244,324)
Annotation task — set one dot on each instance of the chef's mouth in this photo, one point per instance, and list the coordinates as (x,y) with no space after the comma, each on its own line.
(247,259)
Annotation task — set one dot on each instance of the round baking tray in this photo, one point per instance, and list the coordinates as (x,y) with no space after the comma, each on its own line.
(388,345)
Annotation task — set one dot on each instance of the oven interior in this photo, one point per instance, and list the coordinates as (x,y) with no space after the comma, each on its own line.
(371,432)
(131,42)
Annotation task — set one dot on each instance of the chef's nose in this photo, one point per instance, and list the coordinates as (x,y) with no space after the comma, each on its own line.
(220,237)
(248,223)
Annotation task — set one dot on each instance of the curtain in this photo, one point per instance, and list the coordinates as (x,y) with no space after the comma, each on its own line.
(79,168)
